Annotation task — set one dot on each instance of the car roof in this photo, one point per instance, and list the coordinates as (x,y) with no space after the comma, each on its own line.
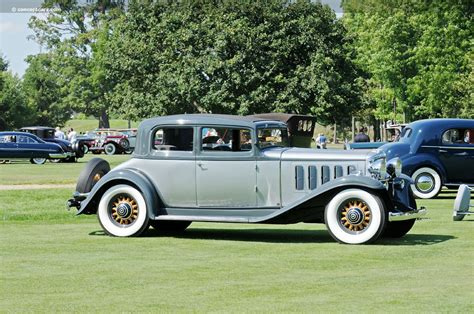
(202,119)
(37,128)
(15,133)
(435,126)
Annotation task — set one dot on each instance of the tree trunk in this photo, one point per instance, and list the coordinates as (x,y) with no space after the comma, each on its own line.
(335,133)
(104,120)
(353,129)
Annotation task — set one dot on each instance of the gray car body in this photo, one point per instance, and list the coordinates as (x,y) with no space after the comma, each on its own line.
(270,185)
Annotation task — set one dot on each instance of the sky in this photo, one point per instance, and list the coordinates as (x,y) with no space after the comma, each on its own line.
(14,43)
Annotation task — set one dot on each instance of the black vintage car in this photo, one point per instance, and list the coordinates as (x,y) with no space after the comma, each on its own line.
(436,153)
(47,134)
(22,145)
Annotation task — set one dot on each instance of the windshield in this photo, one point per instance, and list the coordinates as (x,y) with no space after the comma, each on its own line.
(272,136)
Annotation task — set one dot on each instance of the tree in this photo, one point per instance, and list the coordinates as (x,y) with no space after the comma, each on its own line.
(231,57)
(43,91)
(74,35)
(417,54)
(15,112)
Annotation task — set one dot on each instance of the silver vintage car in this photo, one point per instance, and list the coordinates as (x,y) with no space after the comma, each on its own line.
(223,168)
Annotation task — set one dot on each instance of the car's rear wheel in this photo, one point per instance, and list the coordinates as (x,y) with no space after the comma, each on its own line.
(122,211)
(94,170)
(125,143)
(426,183)
(110,149)
(355,216)
(38,161)
(169,226)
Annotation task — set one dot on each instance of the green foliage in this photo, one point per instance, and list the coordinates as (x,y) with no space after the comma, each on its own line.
(14,110)
(230,57)
(417,55)
(44,93)
(74,36)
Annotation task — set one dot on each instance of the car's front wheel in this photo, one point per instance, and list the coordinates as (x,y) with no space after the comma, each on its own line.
(426,183)
(122,211)
(355,216)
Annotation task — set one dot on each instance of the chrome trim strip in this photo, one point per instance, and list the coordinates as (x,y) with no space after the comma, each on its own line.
(413,214)
(449,147)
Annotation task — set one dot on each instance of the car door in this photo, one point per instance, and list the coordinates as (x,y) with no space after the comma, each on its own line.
(8,147)
(225,168)
(457,154)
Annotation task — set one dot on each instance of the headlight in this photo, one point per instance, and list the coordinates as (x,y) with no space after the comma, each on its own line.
(394,167)
(377,166)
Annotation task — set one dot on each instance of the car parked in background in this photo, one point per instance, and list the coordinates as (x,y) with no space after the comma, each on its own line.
(436,153)
(113,141)
(47,134)
(22,145)
(222,168)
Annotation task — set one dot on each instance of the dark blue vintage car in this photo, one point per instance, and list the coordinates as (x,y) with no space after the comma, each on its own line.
(21,145)
(436,153)
(47,134)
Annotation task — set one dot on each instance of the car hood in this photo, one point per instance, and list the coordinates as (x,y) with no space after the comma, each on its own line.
(397,149)
(295,153)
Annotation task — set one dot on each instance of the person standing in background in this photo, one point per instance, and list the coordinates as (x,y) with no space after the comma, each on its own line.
(59,134)
(72,135)
(361,137)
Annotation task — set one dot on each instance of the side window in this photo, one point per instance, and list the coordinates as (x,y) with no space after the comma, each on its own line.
(22,139)
(225,139)
(179,139)
(458,136)
(6,139)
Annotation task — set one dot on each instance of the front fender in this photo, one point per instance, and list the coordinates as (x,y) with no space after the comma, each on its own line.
(312,206)
(132,177)
(414,162)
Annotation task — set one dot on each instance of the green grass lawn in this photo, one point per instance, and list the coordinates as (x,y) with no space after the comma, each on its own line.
(23,172)
(54,261)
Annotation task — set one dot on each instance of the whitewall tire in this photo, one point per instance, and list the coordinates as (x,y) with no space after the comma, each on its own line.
(355,216)
(122,211)
(110,149)
(427,183)
(38,161)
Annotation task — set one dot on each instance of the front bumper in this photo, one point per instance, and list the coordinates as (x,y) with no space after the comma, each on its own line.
(413,214)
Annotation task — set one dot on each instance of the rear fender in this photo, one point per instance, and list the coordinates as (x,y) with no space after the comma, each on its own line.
(131,177)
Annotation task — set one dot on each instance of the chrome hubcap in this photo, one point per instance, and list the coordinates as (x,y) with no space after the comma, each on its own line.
(124,210)
(355,215)
(425,183)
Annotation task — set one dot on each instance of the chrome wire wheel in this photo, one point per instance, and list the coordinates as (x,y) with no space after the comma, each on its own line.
(355,215)
(124,210)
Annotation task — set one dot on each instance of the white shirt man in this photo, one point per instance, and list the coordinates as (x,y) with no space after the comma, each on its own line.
(59,134)
(72,135)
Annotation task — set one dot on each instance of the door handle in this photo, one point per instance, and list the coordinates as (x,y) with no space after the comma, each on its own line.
(201,165)
(442,151)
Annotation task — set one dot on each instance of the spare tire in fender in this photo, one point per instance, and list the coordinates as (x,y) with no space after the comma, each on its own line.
(94,170)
